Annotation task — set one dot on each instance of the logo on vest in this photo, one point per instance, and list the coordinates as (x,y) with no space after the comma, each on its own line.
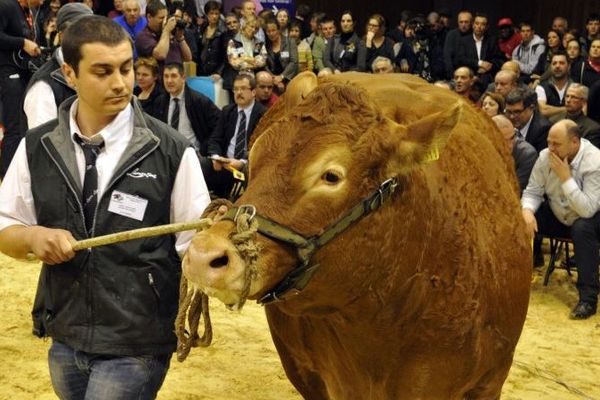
(136,173)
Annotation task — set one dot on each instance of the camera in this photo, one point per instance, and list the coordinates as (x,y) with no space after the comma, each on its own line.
(180,24)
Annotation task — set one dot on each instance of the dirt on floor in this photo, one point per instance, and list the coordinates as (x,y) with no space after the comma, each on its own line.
(556,358)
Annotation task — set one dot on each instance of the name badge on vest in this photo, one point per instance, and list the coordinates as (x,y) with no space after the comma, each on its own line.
(127,205)
(285,54)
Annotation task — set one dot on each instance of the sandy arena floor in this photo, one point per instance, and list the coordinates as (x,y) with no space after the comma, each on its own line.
(556,358)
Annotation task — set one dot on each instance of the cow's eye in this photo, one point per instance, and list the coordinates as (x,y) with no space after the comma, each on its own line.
(331,177)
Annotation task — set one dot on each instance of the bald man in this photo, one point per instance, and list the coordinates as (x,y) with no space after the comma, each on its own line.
(568,173)
(524,154)
(463,81)
(504,82)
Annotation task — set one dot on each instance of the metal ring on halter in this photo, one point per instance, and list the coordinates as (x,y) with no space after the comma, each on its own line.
(245,209)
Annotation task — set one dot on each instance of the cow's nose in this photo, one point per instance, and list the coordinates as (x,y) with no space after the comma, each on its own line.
(219,262)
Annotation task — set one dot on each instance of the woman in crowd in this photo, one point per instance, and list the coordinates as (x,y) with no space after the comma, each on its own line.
(574,51)
(492,103)
(148,88)
(375,41)
(282,56)
(347,51)
(117,10)
(51,39)
(211,54)
(587,71)
(245,53)
(553,45)
(305,58)
(283,21)
(567,37)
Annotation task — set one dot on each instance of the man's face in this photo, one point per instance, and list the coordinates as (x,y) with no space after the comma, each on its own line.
(479,26)
(509,135)
(328,29)
(503,84)
(574,101)
(559,67)
(505,31)
(156,23)
(131,9)
(383,67)
(174,81)
(518,114)
(464,22)
(527,33)
(264,87)
(104,82)
(248,9)
(243,93)
(559,24)
(213,16)
(54,6)
(462,81)
(561,144)
(233,24)
(592,27)
(595,50)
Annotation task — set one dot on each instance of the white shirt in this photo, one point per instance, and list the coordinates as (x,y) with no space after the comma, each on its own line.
(525,129)
(247,111)
(39,104)
(189,196)
(185,126)
(478,43)
(541,93)
(578,197)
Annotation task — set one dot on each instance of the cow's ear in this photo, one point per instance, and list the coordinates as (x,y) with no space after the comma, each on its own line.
(421,141)
(299,88)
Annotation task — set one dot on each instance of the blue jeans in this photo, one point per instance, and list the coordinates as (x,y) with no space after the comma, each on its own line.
(80,375)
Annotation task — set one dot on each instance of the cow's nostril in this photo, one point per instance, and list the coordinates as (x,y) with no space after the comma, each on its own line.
(219,262)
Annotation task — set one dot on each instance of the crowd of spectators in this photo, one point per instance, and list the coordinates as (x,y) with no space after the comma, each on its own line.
(526,77)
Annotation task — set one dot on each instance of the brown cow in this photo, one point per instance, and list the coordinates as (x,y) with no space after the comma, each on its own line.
(424,297)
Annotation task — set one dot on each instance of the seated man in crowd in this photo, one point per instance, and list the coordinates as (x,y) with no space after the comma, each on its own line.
(264,89)
(382,65)
(551,92)
(463,82)
(524,154)
(162,40)
(521,109)
(504,82)
(132,20)
(194,115)
(568,174)
(528,53)
(228,144)
(575,102)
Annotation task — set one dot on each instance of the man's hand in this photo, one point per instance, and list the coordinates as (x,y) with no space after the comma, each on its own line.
(216,77)
(52,246)
(31,48)
(486,65)
(217,165)
(530,221)
(237,164)
(560,167)
(169,25)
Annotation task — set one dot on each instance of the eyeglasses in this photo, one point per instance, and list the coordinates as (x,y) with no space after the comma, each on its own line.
(570,96)
(265,86)
(373,25)
(241,89)
(514,112)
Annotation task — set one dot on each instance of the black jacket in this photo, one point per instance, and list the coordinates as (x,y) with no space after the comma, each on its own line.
(537,134)
(120,299)
(490,52)
(211,53)
(13,31)
(346,54)
(201,111)
(219,140)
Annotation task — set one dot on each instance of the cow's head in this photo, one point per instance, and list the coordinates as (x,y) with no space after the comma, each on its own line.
(324,153)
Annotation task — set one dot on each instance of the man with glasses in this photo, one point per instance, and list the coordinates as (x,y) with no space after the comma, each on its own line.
(521,110)
(228,144)
(575,102)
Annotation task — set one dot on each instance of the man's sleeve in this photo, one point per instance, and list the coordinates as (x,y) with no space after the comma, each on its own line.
(39,104)
(16,199)
(144,44)
(533,195)
(8,42)
(189,196)
(585,201)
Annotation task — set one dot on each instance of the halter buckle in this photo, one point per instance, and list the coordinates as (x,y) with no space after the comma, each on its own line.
(245,209)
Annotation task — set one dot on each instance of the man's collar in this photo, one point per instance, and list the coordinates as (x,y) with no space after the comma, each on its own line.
(247,108)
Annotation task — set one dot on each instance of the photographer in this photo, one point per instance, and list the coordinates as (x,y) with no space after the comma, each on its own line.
(161,38)
(17,45)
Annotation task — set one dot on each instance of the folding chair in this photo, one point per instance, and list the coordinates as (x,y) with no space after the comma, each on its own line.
(556,247)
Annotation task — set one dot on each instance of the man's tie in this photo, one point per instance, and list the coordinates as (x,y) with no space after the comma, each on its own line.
(519,134)
(240,151)
(175,115)
(90,179)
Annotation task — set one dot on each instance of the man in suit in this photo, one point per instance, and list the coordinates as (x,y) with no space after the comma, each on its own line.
(228,144)
(194,115)
(480,51)
(521,109)
(452,42)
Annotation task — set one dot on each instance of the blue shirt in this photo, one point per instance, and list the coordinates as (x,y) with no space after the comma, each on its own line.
(132,30)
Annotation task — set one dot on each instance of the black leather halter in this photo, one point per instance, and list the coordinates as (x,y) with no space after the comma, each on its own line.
(306,247)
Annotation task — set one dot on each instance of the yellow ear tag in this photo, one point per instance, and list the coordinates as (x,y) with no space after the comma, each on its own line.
(237,174)
(432,155)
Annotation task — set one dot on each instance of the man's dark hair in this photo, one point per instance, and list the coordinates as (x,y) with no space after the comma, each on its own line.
(153,7)
(525,95)
(592,17)
(481,15)
(241,76)
(296,24)
(560,52)
(317,15)
(326,19)
(212,5)
(303,11)
(175,65)
(526,23)
(91,29)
